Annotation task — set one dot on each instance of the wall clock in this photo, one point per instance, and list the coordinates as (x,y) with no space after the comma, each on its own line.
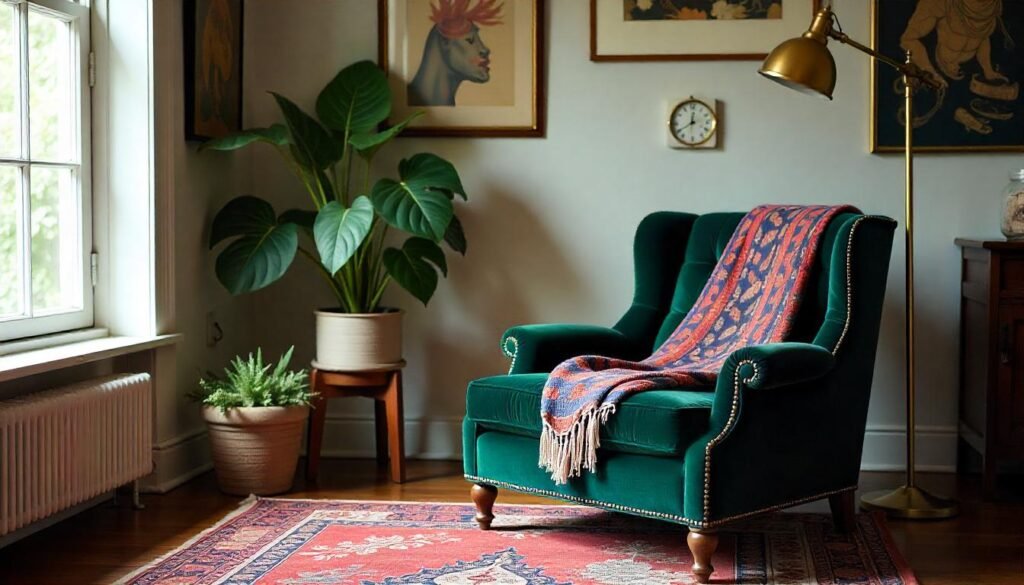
(693,123)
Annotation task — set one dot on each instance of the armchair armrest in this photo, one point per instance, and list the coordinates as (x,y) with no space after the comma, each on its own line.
(777,414)
(539,348)
(775,364)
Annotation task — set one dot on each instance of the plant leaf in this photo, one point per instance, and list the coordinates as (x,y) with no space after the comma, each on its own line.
(254,261)
(312,145)
(276,135)
(339,232)
(455,237)
(242,216)
(433,172)
(368,144)
(356,100)
(300,217)
(418,204)
(410,267)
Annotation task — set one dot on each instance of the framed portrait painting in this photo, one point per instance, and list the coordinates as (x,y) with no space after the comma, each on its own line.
(213,68)
(692,30)
(470,67)
(975,49)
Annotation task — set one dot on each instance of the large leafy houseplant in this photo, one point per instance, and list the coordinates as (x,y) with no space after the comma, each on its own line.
(332,155)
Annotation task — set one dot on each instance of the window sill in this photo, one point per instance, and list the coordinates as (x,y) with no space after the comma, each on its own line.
(38,361)
(52,340)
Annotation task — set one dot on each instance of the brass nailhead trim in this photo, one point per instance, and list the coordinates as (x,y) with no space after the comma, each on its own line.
(530,490)
(510,354)
(849,283)
(709,524)
(729,424)
(650,513)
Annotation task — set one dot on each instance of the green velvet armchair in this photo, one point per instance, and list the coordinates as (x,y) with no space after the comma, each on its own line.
(784,425)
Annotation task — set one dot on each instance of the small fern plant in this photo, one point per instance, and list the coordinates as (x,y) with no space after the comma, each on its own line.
(251,382)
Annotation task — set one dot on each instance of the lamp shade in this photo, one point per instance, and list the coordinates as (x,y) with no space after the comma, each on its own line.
(804,64)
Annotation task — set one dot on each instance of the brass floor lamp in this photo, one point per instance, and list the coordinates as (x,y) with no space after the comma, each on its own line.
(806,65)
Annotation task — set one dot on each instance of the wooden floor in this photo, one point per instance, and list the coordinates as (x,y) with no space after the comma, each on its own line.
(985,545)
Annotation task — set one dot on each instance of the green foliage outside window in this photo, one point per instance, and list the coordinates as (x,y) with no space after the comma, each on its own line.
(45,97)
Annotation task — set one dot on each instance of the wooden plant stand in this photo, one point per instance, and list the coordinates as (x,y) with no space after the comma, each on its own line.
(385,388)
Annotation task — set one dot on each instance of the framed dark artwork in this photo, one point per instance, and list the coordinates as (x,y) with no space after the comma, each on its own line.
(976,50)
(213,68)
(471,67)
(694,30)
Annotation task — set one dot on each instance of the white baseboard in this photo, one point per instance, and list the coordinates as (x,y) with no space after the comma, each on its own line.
(186,456)
(885,448)
(441,438)
(176,461)
(353,437)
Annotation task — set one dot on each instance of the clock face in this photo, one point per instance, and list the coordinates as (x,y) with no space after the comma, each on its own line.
(693,122)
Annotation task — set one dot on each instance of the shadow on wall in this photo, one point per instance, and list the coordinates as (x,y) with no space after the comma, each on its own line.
(512,266)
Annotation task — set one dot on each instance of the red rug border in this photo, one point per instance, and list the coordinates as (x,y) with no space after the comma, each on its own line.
(243,507)
(905,571)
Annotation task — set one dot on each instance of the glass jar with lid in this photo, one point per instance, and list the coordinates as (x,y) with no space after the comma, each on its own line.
(1013,207)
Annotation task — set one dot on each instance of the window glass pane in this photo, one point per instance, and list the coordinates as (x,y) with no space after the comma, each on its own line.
(11,283)
(51,109)
(56,260)
(10,115)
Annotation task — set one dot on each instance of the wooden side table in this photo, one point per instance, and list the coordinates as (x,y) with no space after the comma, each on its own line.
(992,353)
(385,388)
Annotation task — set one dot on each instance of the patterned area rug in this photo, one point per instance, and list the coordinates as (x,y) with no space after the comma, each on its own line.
(305,542)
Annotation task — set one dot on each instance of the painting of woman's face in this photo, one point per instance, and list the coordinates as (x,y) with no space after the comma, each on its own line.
(468,56)
(464,67)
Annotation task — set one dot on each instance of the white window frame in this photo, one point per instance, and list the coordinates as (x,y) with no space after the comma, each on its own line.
(77,14)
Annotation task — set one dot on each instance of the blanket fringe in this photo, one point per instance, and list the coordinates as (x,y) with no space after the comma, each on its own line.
(567,454)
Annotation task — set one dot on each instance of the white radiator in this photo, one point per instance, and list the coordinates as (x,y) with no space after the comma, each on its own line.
(62,447)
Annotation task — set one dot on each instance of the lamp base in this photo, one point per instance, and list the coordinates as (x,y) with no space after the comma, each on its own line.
(912,503)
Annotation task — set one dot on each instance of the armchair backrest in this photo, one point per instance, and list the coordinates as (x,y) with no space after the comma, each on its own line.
(675,254)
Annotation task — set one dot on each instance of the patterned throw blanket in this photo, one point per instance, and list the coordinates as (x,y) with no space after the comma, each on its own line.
(751,298)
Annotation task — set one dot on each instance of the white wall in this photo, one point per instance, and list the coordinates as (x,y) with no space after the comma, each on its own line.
(196,186)
(550,221)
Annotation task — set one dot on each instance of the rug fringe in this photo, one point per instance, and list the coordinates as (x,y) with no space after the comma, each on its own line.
(565,455)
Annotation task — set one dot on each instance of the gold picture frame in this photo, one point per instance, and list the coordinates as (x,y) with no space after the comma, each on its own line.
(791,27)
(938,126)
(516,109)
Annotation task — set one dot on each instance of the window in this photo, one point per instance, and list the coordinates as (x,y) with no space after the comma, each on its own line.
(45,199)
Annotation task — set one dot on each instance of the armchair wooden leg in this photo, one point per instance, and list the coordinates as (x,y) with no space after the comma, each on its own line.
(702,546)
(484,496)
(844,510)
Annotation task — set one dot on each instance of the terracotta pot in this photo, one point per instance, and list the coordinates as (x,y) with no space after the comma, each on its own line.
(255,449)
(358,341)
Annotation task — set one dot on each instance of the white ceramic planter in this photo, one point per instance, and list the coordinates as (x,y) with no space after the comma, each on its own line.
(255,449)
(358,341)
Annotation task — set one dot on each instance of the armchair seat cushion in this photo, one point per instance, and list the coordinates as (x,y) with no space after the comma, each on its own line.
(657,422)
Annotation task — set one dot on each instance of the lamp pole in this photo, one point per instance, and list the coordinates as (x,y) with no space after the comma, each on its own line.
(908,96)
(806,64)
(907,501)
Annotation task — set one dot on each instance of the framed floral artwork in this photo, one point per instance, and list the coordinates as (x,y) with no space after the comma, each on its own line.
(694,30)
(469,67)
(975,49)
(213,68)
